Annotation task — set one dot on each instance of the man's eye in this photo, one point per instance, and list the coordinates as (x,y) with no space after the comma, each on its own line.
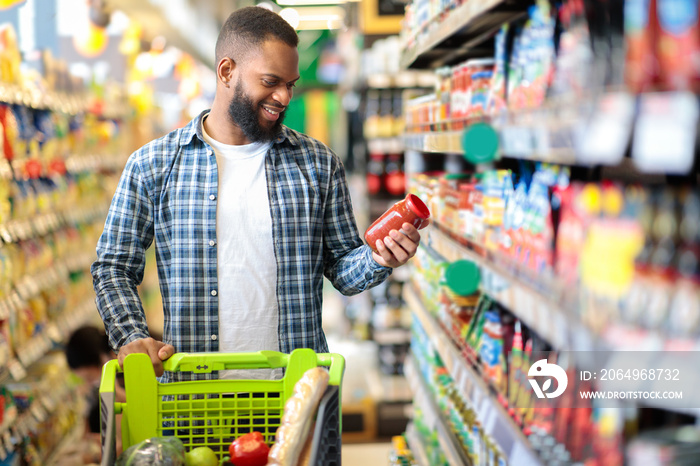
(269,83)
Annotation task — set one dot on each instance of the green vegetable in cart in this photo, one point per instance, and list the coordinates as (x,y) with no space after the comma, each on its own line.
(201,456)
(161,451)
(249,450)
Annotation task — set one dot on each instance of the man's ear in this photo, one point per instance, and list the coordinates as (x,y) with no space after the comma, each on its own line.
(224,71)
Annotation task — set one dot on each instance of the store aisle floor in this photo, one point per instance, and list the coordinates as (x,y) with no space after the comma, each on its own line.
(366,454)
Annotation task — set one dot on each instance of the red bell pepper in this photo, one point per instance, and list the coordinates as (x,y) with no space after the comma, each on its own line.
(249,450)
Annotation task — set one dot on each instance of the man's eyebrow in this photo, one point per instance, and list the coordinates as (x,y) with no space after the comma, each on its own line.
(279,78)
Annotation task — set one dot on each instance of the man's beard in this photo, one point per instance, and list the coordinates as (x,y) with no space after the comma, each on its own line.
(246,116)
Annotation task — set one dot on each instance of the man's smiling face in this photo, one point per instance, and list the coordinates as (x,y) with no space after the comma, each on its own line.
(263,90)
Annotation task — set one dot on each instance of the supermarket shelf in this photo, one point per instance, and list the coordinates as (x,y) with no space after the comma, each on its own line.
(44,342)
(30,286)
(495,420)
(385,145)
(448,142)
(595,130)
(535,307)
(450,445)
(401,80)
(452,39)
(54,333)
(568,130)
(517,141)
(565,331)
(415,443)
(41,99)
(45,223)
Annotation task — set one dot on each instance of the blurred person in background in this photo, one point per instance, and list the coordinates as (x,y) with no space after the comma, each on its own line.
(247,216)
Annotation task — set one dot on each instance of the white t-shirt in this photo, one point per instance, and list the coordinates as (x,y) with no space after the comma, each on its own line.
(246,266)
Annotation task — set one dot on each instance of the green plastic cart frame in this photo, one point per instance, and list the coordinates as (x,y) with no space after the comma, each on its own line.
(213,413)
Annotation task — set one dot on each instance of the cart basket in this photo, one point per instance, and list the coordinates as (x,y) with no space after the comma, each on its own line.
(214,413)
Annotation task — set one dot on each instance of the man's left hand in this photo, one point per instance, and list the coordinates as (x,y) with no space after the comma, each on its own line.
(398,247)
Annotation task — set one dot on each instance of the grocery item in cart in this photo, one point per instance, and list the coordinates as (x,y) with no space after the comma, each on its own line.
(214,413)
(164,451)
(297,418)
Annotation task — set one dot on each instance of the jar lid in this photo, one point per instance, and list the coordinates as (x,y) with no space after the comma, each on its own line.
(463,277)
(417,206)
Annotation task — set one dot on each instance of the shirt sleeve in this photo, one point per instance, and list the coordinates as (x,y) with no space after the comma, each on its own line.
(120,263)
(348,262)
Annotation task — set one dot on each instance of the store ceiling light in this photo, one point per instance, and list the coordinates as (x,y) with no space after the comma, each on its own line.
(313,2)
(308,18)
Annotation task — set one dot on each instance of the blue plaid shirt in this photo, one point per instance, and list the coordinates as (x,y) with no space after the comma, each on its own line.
(167,195)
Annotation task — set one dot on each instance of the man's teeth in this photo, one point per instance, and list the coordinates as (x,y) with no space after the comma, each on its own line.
(271,111)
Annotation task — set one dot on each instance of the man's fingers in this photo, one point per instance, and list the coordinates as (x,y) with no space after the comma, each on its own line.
(120,358)
(405,242)
(399,253)
(411,232)
(156,350)
(157,363)
(386,254)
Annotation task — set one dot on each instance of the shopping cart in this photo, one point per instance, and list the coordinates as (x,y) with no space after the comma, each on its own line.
(213,413)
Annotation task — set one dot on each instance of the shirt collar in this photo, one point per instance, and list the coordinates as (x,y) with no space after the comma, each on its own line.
(194,127)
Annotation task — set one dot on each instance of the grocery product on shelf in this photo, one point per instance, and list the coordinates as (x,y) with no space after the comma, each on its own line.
(647,268)
(40,412)
(553,431)
(531,66)
(678,47)
(401,454)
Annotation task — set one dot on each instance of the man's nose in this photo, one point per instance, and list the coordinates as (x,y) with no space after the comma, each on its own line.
(283,96)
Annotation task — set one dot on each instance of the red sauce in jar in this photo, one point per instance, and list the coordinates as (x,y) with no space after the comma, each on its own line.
(409,210)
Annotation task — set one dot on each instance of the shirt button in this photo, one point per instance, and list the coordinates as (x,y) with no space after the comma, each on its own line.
(212,243)
(213,292)
(209,152)
(212,197)
(213,337)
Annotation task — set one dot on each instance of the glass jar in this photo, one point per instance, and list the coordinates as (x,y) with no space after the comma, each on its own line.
(409,210)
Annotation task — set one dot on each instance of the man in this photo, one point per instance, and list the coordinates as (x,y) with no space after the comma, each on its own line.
(247,216)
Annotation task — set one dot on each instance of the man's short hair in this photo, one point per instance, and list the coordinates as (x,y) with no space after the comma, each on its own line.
(247,28)
(85,347)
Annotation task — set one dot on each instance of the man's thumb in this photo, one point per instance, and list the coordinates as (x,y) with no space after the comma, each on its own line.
(165,352)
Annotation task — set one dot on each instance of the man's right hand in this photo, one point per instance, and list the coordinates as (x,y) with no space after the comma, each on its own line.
(156,350)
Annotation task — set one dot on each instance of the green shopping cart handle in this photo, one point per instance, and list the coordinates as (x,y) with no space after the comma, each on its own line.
(207,362)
